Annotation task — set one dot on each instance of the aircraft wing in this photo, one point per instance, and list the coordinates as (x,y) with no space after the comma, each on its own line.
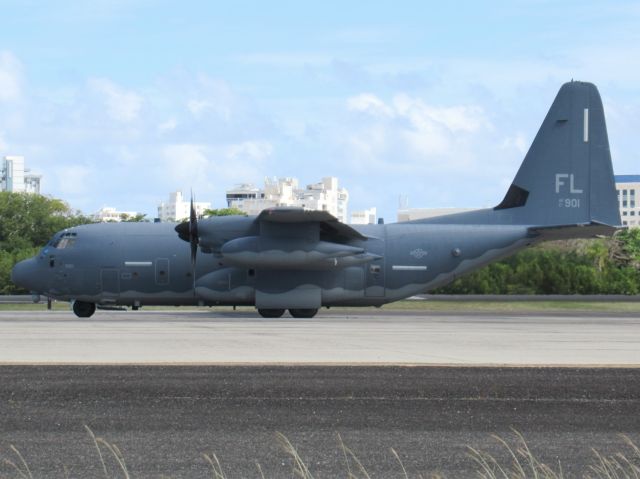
(292,238)
(329,225)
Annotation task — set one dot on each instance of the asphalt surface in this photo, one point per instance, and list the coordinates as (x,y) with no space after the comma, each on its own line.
(365,337)
(164,418)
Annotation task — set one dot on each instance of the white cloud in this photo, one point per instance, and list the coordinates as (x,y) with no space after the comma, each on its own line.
(72,181)
(122,105)
(10,77)
(286,59)
(214,96)
(186,161)
(252,150)
(167,126)
(518,142)
(368,103)
(3,144)
(455,118)
(209,169)
(410,128)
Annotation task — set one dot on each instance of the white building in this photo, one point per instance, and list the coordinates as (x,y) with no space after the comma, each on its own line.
(325,195)
(628,189)
(410,214)
(109,214)
(16,178)
(177,208)
(364,217)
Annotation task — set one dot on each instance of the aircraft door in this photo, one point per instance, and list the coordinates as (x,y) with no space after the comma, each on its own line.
(375,278)
(110,282)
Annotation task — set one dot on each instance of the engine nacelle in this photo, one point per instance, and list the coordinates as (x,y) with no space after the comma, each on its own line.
(278,253)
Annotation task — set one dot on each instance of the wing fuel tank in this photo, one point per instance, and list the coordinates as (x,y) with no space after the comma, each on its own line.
(277,253)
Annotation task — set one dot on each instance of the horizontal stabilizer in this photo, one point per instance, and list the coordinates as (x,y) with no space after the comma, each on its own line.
(582,230)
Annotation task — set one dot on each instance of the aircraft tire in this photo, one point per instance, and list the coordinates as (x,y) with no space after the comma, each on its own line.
(83,309)
(271,313)
(303,313)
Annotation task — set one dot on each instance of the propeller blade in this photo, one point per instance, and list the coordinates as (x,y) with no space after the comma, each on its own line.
(193,239)
(188,231)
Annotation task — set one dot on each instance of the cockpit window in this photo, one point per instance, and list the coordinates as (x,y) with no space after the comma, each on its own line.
(65,240)
(66,243)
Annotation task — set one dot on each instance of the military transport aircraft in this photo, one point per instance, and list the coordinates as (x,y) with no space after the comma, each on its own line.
(287,258)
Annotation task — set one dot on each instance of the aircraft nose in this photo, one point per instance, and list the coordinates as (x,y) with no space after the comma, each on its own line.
(25,275)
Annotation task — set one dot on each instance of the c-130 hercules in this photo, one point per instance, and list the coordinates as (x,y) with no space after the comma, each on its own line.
(287,258)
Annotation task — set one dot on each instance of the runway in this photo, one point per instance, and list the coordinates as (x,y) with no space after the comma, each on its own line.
(365,337)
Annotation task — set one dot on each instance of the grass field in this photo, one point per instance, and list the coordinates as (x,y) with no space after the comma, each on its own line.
(408,305)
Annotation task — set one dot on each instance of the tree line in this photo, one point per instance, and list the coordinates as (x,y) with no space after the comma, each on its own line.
(596,266)
(593,266)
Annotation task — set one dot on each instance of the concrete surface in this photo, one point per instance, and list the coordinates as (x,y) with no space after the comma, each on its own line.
(366,337)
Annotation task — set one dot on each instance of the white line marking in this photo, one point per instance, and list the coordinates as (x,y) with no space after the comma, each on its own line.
(138,263)
(586,125)
(397,267)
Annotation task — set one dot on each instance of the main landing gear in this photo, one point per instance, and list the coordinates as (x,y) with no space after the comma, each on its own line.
(303,313)
(271,313)
(83,309)
(296,313)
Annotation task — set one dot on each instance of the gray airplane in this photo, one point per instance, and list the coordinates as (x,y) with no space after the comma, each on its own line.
(298,260)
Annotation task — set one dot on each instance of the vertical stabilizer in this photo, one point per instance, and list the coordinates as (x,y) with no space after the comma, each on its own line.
(566,177)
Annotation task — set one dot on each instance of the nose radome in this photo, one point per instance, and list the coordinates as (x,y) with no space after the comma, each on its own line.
(24,274)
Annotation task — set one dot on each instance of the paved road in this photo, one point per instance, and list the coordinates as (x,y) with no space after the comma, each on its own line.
(366,337)
(163,418)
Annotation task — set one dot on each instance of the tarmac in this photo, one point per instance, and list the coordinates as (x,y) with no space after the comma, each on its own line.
(367,337)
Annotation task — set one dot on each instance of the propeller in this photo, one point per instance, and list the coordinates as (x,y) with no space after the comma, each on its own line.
(188,231)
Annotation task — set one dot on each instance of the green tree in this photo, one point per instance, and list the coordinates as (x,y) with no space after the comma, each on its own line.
(598,266)
(27,222)
(137,218)
(224,212)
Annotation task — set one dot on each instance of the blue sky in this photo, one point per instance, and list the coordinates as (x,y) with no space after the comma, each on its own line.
(120,102)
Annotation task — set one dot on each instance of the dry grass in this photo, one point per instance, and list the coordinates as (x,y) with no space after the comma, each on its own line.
(521,462)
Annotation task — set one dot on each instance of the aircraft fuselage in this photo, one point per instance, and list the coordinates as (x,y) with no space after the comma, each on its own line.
(140,264)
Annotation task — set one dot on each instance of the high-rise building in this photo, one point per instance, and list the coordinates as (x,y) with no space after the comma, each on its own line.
(177,208)
(364,217)
(325,195)
(628,189)
(16,178)
(108,214)
(410,214)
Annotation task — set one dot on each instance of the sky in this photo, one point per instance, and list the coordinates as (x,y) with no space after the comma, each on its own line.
(119,102)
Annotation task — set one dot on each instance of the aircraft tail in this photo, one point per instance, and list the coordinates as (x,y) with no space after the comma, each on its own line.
(566,177)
